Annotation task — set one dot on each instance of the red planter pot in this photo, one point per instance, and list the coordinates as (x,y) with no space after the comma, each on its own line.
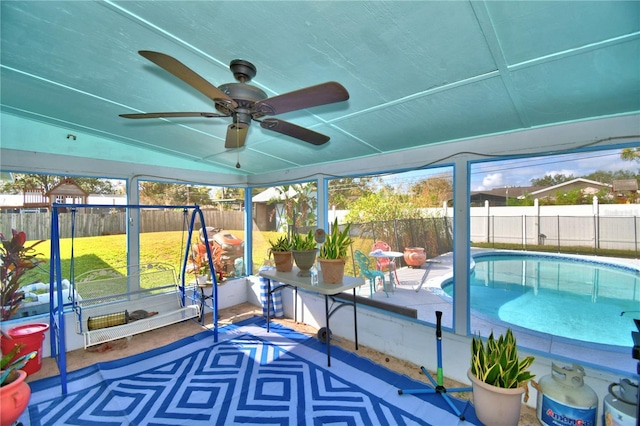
(15,398)
(414,256)
(31,336)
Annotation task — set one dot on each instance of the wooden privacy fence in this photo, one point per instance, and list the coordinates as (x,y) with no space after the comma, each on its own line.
(38,225)
(435,234)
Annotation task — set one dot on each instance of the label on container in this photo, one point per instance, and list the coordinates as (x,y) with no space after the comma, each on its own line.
(554,413)
(614,417)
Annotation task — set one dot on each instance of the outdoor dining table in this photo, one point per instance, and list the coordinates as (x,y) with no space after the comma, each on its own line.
(391,255)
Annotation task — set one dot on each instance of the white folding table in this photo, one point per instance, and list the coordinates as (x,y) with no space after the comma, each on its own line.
(291,279)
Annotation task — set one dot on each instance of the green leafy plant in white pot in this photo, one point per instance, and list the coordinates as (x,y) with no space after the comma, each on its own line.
(499,378)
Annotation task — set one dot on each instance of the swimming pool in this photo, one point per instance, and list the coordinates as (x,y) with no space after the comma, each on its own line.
(570,297)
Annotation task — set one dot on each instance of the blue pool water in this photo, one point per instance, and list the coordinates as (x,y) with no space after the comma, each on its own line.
(566,297)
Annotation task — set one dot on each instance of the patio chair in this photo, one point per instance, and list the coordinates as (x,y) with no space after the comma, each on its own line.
(385,262)
(366,272)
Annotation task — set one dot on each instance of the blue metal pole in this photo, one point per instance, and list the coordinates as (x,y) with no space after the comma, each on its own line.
(57,314)
(214,280)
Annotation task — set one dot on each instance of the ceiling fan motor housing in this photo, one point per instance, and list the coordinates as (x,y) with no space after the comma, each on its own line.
(244,95)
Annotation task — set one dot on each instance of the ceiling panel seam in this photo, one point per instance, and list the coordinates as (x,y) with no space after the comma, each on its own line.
(576,51)
(418,95)
(143,22)
(493,43)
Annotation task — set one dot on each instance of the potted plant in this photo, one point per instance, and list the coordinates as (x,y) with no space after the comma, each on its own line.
(304,252)
(14,390)
(333,253)
(281,252)
(15,261)
(499,378)
(199,264)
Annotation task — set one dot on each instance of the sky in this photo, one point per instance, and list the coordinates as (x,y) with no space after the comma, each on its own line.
(519,172)
(498,174)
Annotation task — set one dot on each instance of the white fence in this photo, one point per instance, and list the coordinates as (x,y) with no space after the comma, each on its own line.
(600,226)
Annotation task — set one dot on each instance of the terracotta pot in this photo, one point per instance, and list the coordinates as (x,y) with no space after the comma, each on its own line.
(283,260)
(15,398)
(414,256)
(332,270)
(496,406)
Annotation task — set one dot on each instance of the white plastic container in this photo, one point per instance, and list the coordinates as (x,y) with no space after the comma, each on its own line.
(564,399)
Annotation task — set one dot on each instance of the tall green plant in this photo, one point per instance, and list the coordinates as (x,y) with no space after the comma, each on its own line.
(496,362)
(337,243)
(304,242)
(282,244)
(15,261)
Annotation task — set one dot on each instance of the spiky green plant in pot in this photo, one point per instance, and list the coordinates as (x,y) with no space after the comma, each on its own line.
(496,362)
(336,245)
(304,242)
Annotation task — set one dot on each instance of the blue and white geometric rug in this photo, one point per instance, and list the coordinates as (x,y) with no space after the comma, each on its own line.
(250,377)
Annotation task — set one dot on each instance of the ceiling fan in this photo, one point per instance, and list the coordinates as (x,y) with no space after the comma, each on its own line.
(244,102)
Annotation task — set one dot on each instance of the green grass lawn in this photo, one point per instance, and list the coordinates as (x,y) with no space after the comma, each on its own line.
(109,251)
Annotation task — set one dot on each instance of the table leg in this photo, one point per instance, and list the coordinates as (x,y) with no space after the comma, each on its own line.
(268,302)
(326,312)
(392,278)
(395,274)
(355,318)
(295,305)
(201,306)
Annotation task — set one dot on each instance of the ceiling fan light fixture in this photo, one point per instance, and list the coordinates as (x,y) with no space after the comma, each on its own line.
(236,135)
(238,127)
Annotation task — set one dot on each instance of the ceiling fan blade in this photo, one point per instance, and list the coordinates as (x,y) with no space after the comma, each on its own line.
(321,94)
(173,114)
(187,75)
(236,134)
(294,131)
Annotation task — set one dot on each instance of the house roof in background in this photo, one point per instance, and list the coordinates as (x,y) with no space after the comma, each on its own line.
(625,185)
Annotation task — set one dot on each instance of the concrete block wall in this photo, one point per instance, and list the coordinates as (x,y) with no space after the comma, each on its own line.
(416,342)
(230,294)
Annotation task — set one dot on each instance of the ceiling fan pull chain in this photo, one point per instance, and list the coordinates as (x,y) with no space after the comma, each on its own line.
(238,146)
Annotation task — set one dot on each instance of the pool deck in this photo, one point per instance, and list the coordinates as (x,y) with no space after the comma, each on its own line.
(419,288)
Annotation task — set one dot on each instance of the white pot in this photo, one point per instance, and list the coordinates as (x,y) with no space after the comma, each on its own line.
(201,279)
(496,406)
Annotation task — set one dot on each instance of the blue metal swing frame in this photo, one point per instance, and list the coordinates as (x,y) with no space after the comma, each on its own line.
(57,312)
